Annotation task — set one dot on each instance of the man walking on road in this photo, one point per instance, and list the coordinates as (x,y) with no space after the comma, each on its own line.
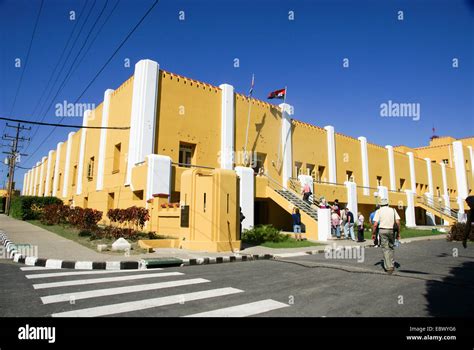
(387,220)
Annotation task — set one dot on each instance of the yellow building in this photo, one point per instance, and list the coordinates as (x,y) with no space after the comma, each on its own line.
(177,123)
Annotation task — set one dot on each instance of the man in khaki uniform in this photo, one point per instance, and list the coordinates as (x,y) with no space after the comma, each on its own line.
(385,219)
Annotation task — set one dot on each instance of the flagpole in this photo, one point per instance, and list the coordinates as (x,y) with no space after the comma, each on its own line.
(279,143)
(248,122)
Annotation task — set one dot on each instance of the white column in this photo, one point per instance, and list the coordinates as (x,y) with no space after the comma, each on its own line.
(410,209)
(460,168)
(56,168)
(158,182)
(352,197)
(411,160)
(391,168)
(445,181)
(31,185)
(324,224)
(35,192)
(382,192)
(471,156)
(23,190)
(430,175)
(82,150)
(67,164)
(331,142)
(47,190)
(286,142)
(43,165)
(365,165)
(247,196)
(430,216)
(227,126)
(103,140)
(143,116)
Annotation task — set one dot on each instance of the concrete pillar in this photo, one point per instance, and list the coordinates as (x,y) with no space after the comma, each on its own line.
(143,116)
(447,202)
(103,140)
(411,160)
(47,190)
(471,156)
(41,179)
(82,150)
(25,178)
(410,209)
(331,142)
(365,165)
(31,185)
(247,195)
(286,143)
(430,176)
(56,169)
(35,186)
(459,166)
(351,188)
(430,216)
(67,165)
(158,182)
(391,168)
(382,192)
(324,224)
(227,126)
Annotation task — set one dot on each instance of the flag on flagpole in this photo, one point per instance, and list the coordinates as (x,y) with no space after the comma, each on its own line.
(280,94)
(251,85)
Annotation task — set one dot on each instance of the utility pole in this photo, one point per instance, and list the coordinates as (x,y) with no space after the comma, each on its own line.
(12,160)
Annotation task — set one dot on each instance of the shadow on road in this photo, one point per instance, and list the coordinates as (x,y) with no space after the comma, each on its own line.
(453,296)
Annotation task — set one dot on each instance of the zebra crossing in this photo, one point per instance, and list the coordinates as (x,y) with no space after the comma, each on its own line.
(97,293)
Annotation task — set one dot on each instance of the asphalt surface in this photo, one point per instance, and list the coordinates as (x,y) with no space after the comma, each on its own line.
(434,278)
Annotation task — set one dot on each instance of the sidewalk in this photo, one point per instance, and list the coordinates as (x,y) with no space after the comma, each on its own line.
(54,247)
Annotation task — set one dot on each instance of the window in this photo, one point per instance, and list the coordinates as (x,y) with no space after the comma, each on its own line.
(90,169)
(186,154)
(259,163)
(349,176)
(138,195)
(86,202)
(438,192)
(110,200)
(309,169)
(320,174)
(59,181)
(298,166)
(116,164)
(74,175)
(402,184)
(379,180)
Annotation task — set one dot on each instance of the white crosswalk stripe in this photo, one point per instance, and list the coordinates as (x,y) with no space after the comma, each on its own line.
(147,303)
(79,273)
(119,290)
(127,297)
(38,268)
(243,310)
(103,280)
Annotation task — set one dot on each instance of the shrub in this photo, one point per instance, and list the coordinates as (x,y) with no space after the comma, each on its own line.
(134,218)
(456,233)
(85,219)
(54,214)
(263,233)
(30,207)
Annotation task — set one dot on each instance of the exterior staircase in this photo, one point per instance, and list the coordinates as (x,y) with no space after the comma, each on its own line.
(291,197)
(438,209)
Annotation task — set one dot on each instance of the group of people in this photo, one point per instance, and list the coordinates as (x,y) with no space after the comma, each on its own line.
(344,220)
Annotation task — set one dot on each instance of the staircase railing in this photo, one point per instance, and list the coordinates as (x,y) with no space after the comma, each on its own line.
(295,197)
(295,185)
(438,207)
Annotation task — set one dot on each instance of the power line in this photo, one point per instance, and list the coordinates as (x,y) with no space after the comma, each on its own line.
(56,125)
(27,56)
(106,63)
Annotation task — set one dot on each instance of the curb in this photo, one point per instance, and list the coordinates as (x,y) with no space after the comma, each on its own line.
(143,264)
(17,257)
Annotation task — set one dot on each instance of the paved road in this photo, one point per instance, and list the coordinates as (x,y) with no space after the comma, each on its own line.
(430,281)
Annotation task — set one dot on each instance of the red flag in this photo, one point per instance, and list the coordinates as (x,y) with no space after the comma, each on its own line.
(277,94)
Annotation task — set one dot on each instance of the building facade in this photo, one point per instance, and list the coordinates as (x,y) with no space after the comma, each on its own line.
(177,123)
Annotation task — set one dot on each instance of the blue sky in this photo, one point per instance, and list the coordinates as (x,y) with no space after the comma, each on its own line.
(407,61)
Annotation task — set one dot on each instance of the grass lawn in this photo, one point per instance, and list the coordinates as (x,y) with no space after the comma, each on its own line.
(410,233)
(291,243)
(73,234)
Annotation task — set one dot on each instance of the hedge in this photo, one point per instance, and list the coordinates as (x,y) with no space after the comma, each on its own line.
(30,207)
